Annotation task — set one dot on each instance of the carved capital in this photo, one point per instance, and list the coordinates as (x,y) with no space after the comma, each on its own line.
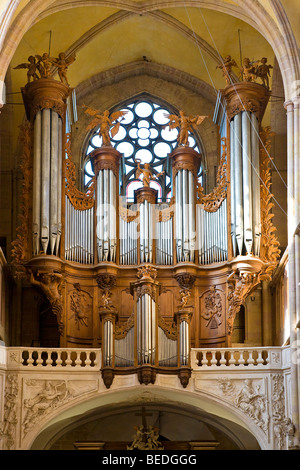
(105,158)
(185,158)
(45,94)
(246,96)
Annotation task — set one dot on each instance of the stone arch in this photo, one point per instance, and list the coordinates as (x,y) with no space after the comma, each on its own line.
(126,396)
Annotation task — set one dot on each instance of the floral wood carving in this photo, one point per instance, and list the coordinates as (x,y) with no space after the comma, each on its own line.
(170,330)
(213,200)
(122,330)
(269,242)
(20,246)
(50,283)
(79,200)
(146,272)
(106,282)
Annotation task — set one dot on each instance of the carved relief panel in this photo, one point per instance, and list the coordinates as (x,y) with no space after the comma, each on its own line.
(212,312)
(79,312)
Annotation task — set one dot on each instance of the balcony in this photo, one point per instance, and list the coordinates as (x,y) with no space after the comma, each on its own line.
(252,384)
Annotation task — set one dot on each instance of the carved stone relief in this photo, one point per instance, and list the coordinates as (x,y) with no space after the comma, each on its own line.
(283,427)
(41,397)
(8,426)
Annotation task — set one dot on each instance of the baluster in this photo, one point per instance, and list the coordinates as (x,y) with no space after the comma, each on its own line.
(77,360)
(68,359)
(241,360)
(214,361)
(232,358)
(49,358)
(39,361)
(88,359)
(260,359)
(59,359)
(30,359)
(223,359)
(251,361)
(204,359)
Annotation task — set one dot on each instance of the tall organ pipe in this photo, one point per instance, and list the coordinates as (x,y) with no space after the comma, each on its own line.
(47,182)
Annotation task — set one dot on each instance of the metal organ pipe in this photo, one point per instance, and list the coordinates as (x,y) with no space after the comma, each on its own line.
(47,182)
(185,215)
(106,215)
(245,184)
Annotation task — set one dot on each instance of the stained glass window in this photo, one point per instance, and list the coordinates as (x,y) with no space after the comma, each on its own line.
(143,137)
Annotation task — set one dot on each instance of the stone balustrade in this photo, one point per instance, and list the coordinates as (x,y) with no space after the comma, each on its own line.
(48,358)
(258,358)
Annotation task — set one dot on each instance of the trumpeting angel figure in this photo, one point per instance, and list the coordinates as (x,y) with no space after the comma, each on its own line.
(109,124)
(31,65)
(185,124)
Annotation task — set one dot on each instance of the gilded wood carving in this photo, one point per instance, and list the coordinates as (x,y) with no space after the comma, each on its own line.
(79,200)
(269,243)
(213,200)
(20,247)
(184,124)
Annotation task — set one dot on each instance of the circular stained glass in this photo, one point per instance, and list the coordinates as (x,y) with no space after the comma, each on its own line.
(143,137)
(143,109)
(144,155)
(143,133)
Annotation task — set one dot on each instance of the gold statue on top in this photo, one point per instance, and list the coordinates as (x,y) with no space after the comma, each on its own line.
(263,72)
(252,70)
(62,63)
(43,64)
(109,124)
(146,172)
(248,70)
(226,67)
(32,67)
(185,124)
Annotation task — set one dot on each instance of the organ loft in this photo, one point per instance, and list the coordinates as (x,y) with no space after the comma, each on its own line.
(137,258)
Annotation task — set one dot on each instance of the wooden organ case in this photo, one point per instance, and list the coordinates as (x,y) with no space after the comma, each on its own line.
(146,284)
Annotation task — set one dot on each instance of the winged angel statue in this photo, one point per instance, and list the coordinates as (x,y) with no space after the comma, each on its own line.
(109,124)
(185,124)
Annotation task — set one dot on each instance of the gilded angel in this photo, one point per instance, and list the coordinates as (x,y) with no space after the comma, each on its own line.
(62,63)
(31,65)
(185,124)
(146,172)
(109,124)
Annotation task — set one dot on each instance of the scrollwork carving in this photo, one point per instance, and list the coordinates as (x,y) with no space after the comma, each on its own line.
(269,243)
(80,304)
(213,200)
(213,308)
(80,201)
(20,246)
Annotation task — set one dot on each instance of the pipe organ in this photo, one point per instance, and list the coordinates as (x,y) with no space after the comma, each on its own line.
(145,281)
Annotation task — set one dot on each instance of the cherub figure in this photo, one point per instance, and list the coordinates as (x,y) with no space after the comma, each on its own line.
(107,303)
(263,72)
(32,68)
(62,63)
(147,173)
(185,124)
(109,124)
(44,64)
(226,67)
(248,71)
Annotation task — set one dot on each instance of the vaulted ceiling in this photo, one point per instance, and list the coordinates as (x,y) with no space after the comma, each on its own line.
(187,39)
